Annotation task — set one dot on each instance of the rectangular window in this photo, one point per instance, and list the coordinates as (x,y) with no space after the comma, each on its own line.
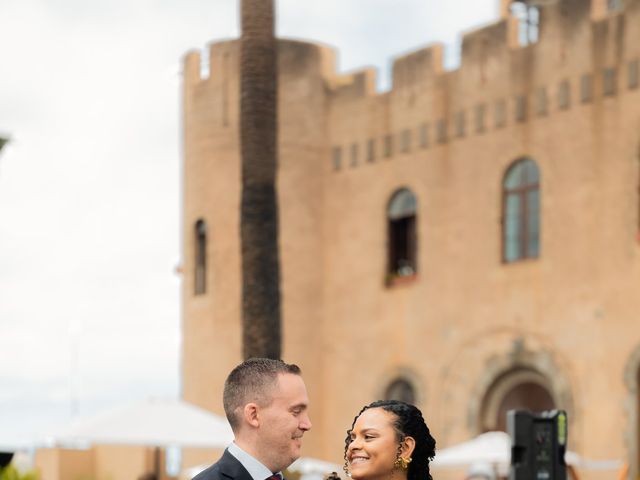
(405,140)
(521,108)
(388,146)
(460,124)
(441,131)
(632,74)
(200,281)
(614,5)
(609,82)
(337,158)
(541,101)
(480,115)
(564,95)
(371,150)
(225,89)
(586,88)
(402,248)
(354,155)
(424,135)
(500,113)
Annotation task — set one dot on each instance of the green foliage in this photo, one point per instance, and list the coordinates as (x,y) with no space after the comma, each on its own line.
(11,473)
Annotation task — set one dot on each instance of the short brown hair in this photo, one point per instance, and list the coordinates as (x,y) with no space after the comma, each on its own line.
(252,381)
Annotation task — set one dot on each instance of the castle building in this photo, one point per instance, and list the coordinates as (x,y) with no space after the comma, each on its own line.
(468,240)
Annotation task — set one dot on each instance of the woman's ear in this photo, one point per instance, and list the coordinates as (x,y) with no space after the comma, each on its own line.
(250,414)
(408,446)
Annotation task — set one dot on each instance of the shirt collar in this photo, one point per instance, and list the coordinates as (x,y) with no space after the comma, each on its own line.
(256,469)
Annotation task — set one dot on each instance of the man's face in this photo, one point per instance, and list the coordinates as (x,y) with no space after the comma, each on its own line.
(283,422)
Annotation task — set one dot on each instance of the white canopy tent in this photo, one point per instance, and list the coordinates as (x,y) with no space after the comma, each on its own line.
(154,423)
(490,447)
(494,449)
(313,469)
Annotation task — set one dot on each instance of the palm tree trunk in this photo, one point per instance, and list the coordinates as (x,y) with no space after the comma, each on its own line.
(261,324)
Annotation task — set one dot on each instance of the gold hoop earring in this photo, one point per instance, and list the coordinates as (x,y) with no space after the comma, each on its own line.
(402,463)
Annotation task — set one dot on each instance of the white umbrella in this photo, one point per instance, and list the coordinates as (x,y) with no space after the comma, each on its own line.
(491,448)
(313,469)
(158,423)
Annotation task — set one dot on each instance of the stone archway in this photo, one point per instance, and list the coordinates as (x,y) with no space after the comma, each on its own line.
(517,389)
(507,378)
(632,434)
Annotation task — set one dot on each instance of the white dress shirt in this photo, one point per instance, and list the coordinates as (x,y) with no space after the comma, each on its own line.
(256,469)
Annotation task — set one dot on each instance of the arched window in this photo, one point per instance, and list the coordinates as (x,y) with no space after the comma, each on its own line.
(401,389)
(521,211)
(200,280)
(401,217)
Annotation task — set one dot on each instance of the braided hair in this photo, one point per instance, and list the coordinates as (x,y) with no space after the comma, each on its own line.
(408,422)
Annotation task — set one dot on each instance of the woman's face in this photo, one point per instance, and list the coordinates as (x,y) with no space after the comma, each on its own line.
(374,445)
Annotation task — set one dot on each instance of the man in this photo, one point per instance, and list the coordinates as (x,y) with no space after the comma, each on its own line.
(266,404)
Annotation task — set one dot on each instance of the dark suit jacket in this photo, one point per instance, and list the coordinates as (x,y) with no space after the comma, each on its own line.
(227,468)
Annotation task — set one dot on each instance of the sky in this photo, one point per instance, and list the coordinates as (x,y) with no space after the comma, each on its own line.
(90,190)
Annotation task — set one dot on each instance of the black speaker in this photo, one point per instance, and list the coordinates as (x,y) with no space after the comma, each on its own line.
(5,458)
(538,443)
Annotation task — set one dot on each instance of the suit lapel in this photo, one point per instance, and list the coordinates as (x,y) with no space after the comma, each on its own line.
(232,468)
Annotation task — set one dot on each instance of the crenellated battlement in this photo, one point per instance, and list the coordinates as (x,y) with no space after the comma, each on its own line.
(579,54)
(419,66)
(361,83)
(576,57)
(596,9)
(563,25)
(489,41)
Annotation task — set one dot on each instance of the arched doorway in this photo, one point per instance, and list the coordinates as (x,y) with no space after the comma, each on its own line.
(636,451)
(632,432)
(521,389)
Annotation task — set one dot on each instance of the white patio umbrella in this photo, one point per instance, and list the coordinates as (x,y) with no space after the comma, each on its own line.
(155,423)
(313,469)
(491,448)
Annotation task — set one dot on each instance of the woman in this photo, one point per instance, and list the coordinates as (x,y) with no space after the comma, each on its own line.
(389,439)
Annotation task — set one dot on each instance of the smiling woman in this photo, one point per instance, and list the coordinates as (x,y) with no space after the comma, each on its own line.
(389,438)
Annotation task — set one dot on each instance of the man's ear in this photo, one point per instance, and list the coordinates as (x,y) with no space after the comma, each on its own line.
(408,446)
(250,414)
